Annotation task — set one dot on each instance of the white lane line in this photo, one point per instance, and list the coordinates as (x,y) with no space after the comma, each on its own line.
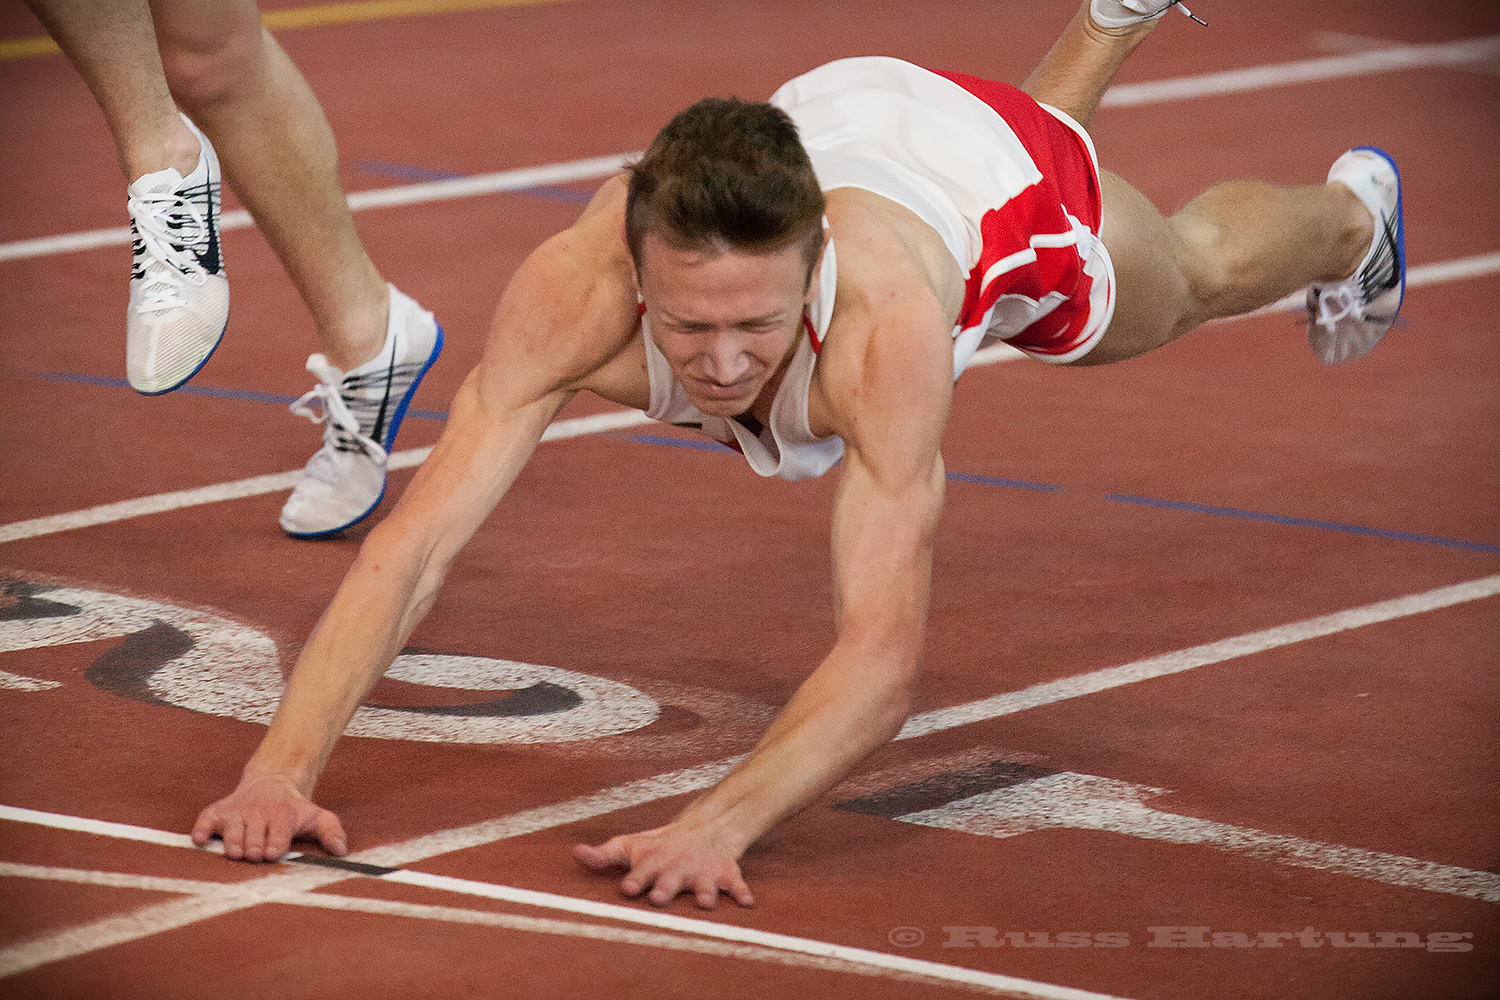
(1426,274)
(115,880)
(160,503)
(746,935)
(622,935)
(103,828)
(803,954)
(1304,71)
(1124,95)
(705,775)
(159,918)
(273,483)
(506,180)
(597,424)
(1453,270)
(1476,266)
(216,898)
(692,779)
(601,803)
(167,916)
(405,194)
(1198,656)
(1072,801)
(640,792)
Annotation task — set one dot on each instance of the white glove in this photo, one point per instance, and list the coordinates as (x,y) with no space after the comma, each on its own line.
(1119,13)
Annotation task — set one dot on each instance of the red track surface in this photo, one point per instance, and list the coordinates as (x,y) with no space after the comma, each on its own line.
(679,572)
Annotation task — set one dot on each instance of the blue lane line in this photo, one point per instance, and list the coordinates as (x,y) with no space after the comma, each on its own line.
(1195,508)
(243,395)
(408,172)
(1009,484)
(671,442)
(701,444)
(1303,522)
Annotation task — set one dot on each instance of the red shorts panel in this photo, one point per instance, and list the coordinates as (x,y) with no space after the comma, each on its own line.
(1069,190)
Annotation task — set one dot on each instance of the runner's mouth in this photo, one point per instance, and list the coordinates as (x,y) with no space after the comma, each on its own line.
(718,390)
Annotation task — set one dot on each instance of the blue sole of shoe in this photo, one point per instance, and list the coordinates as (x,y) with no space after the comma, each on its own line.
(397,416)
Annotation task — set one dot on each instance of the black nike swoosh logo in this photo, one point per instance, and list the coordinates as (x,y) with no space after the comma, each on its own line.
(209,259)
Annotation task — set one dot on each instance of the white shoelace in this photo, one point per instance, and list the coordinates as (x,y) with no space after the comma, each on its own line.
(333,411)
(1346,302)
(166,224)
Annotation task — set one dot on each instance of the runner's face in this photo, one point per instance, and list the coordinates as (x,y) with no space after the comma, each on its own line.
(727,323)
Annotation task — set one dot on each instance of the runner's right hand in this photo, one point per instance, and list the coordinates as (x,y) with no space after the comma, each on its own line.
(259,820)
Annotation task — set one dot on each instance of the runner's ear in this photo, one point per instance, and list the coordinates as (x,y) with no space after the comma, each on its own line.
(635,275)
(815,274)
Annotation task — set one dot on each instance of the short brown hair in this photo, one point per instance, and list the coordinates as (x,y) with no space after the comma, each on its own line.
(726,173)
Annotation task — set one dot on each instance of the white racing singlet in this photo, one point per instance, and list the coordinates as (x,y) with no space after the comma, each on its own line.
(1010,186)
(787,446)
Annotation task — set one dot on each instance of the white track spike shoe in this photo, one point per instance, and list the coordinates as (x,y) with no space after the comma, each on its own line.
(1122,13)
(179,296)
(1345,319)
(360,410)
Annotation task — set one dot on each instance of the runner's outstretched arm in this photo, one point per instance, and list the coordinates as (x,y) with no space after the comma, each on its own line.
(887,396)
(563,316)
(387,591)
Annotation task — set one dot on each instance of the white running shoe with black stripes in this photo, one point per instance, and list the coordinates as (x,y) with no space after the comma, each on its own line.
(1345,319)
(179,296)
(361,410)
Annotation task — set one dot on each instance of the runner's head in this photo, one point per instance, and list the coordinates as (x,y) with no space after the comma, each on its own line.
(727,175)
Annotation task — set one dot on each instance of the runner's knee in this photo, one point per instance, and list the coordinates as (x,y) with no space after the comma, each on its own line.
(205,69)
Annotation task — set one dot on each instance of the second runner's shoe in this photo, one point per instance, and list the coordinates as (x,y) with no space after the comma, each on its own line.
(360,410)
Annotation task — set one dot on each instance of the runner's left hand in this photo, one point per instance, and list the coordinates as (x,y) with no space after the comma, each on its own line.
(670,860)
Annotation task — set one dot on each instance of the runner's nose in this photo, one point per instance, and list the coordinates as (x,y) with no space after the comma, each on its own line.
(724,361)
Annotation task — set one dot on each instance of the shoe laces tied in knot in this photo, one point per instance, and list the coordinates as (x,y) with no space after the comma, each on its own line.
(1340,303)
(324,404)
(167,226)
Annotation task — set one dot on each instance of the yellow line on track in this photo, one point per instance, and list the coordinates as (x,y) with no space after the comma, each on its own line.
(376,10)
(25,48)
(305,17)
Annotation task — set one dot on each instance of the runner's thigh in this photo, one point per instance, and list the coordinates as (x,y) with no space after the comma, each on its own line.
(1153,302)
